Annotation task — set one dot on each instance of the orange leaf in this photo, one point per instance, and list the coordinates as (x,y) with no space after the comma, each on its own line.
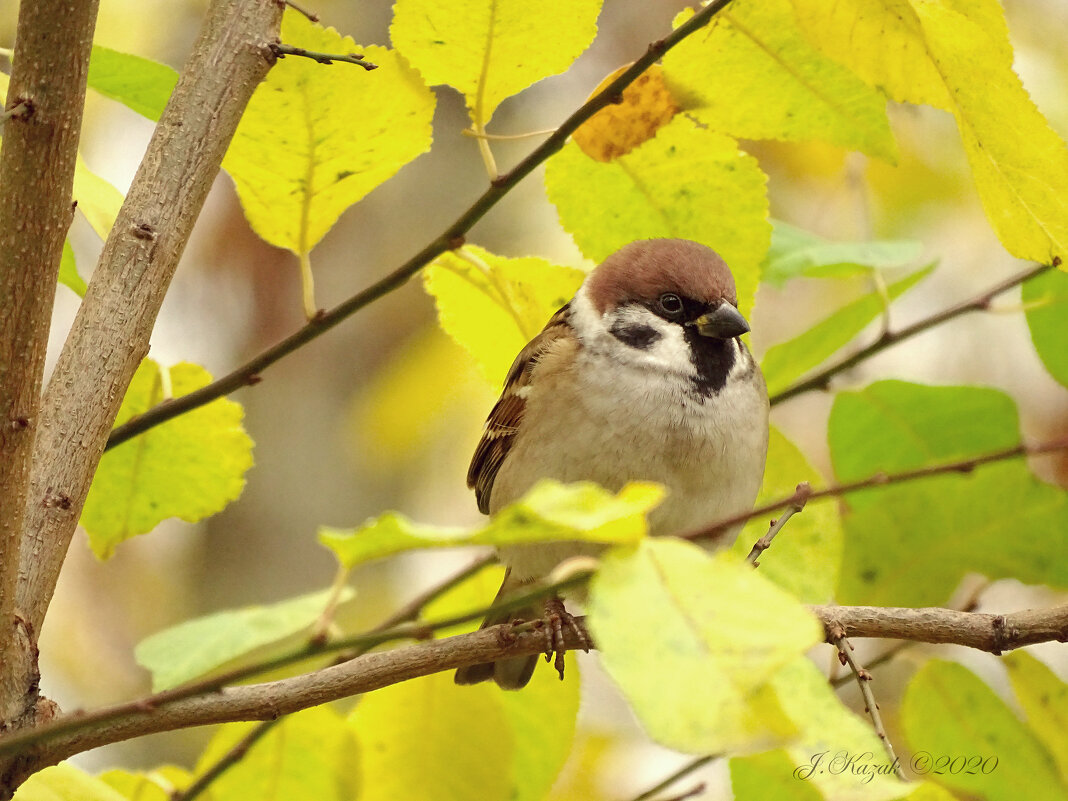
(615,130)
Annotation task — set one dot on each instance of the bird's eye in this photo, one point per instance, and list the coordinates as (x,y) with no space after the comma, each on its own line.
(670,303)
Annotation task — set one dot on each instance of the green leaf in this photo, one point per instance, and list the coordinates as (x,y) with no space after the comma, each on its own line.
(693,640)
(314,139)
(949,714)
(780,87)
(64,782)
(190,467)
(796,253)
(549,511)
(139,83)
(806,558)
(431,740)
(489,50)
(1047,318)
(493,305)
(68,271)
(307,755)
(911,544)
(687,182)
(891,426)
(1044,699)
(788,361)
(199,646)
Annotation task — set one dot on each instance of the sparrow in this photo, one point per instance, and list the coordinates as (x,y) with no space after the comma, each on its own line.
(641,376)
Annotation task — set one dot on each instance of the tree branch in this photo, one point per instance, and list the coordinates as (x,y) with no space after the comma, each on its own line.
(51,743)
(980,302)
(453,236)
(45,99)
(111,332)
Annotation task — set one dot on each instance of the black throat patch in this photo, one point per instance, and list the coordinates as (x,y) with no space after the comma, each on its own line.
(636,335)
(713,359)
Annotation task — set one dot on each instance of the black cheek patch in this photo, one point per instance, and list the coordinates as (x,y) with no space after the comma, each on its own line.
(636,335)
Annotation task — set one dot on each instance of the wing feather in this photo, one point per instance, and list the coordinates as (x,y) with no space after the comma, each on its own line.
(506,417)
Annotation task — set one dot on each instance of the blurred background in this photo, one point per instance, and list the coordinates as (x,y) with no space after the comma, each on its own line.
(384,411)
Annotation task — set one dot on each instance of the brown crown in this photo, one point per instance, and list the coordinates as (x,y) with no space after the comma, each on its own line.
(644,270)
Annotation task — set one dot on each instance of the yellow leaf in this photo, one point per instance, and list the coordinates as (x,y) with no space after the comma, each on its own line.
(687,182)
(429,739)
(879,40)
(494,305)
(98,200)
(190,467)
(1020,165)
(646,106)
(315,139)
(695,642)
(489,50)
(956,55)
(753,75)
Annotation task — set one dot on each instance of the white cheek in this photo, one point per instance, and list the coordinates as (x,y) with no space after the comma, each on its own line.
(669,353)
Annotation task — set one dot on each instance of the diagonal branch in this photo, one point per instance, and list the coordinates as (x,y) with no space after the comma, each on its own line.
(40,144)
(451,238)
(980,302)
(111,332)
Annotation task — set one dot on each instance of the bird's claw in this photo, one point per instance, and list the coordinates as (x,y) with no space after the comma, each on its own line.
(556,617)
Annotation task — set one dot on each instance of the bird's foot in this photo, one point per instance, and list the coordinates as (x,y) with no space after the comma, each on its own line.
(556,618)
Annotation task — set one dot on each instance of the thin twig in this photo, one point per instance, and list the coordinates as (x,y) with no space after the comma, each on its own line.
(845,655)
(451,238)
(718,528)
(309,14)
(225,762)
(283,50)
(681,773)
(802,494)
(980,302)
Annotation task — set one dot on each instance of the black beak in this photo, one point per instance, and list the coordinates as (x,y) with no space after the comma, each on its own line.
(723,322)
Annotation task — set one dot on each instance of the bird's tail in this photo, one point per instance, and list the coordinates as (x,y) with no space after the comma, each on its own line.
(510,674)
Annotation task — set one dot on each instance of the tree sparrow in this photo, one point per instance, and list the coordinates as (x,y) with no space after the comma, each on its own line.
(640,376)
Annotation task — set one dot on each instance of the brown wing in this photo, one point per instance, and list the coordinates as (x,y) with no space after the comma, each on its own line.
(507,414)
